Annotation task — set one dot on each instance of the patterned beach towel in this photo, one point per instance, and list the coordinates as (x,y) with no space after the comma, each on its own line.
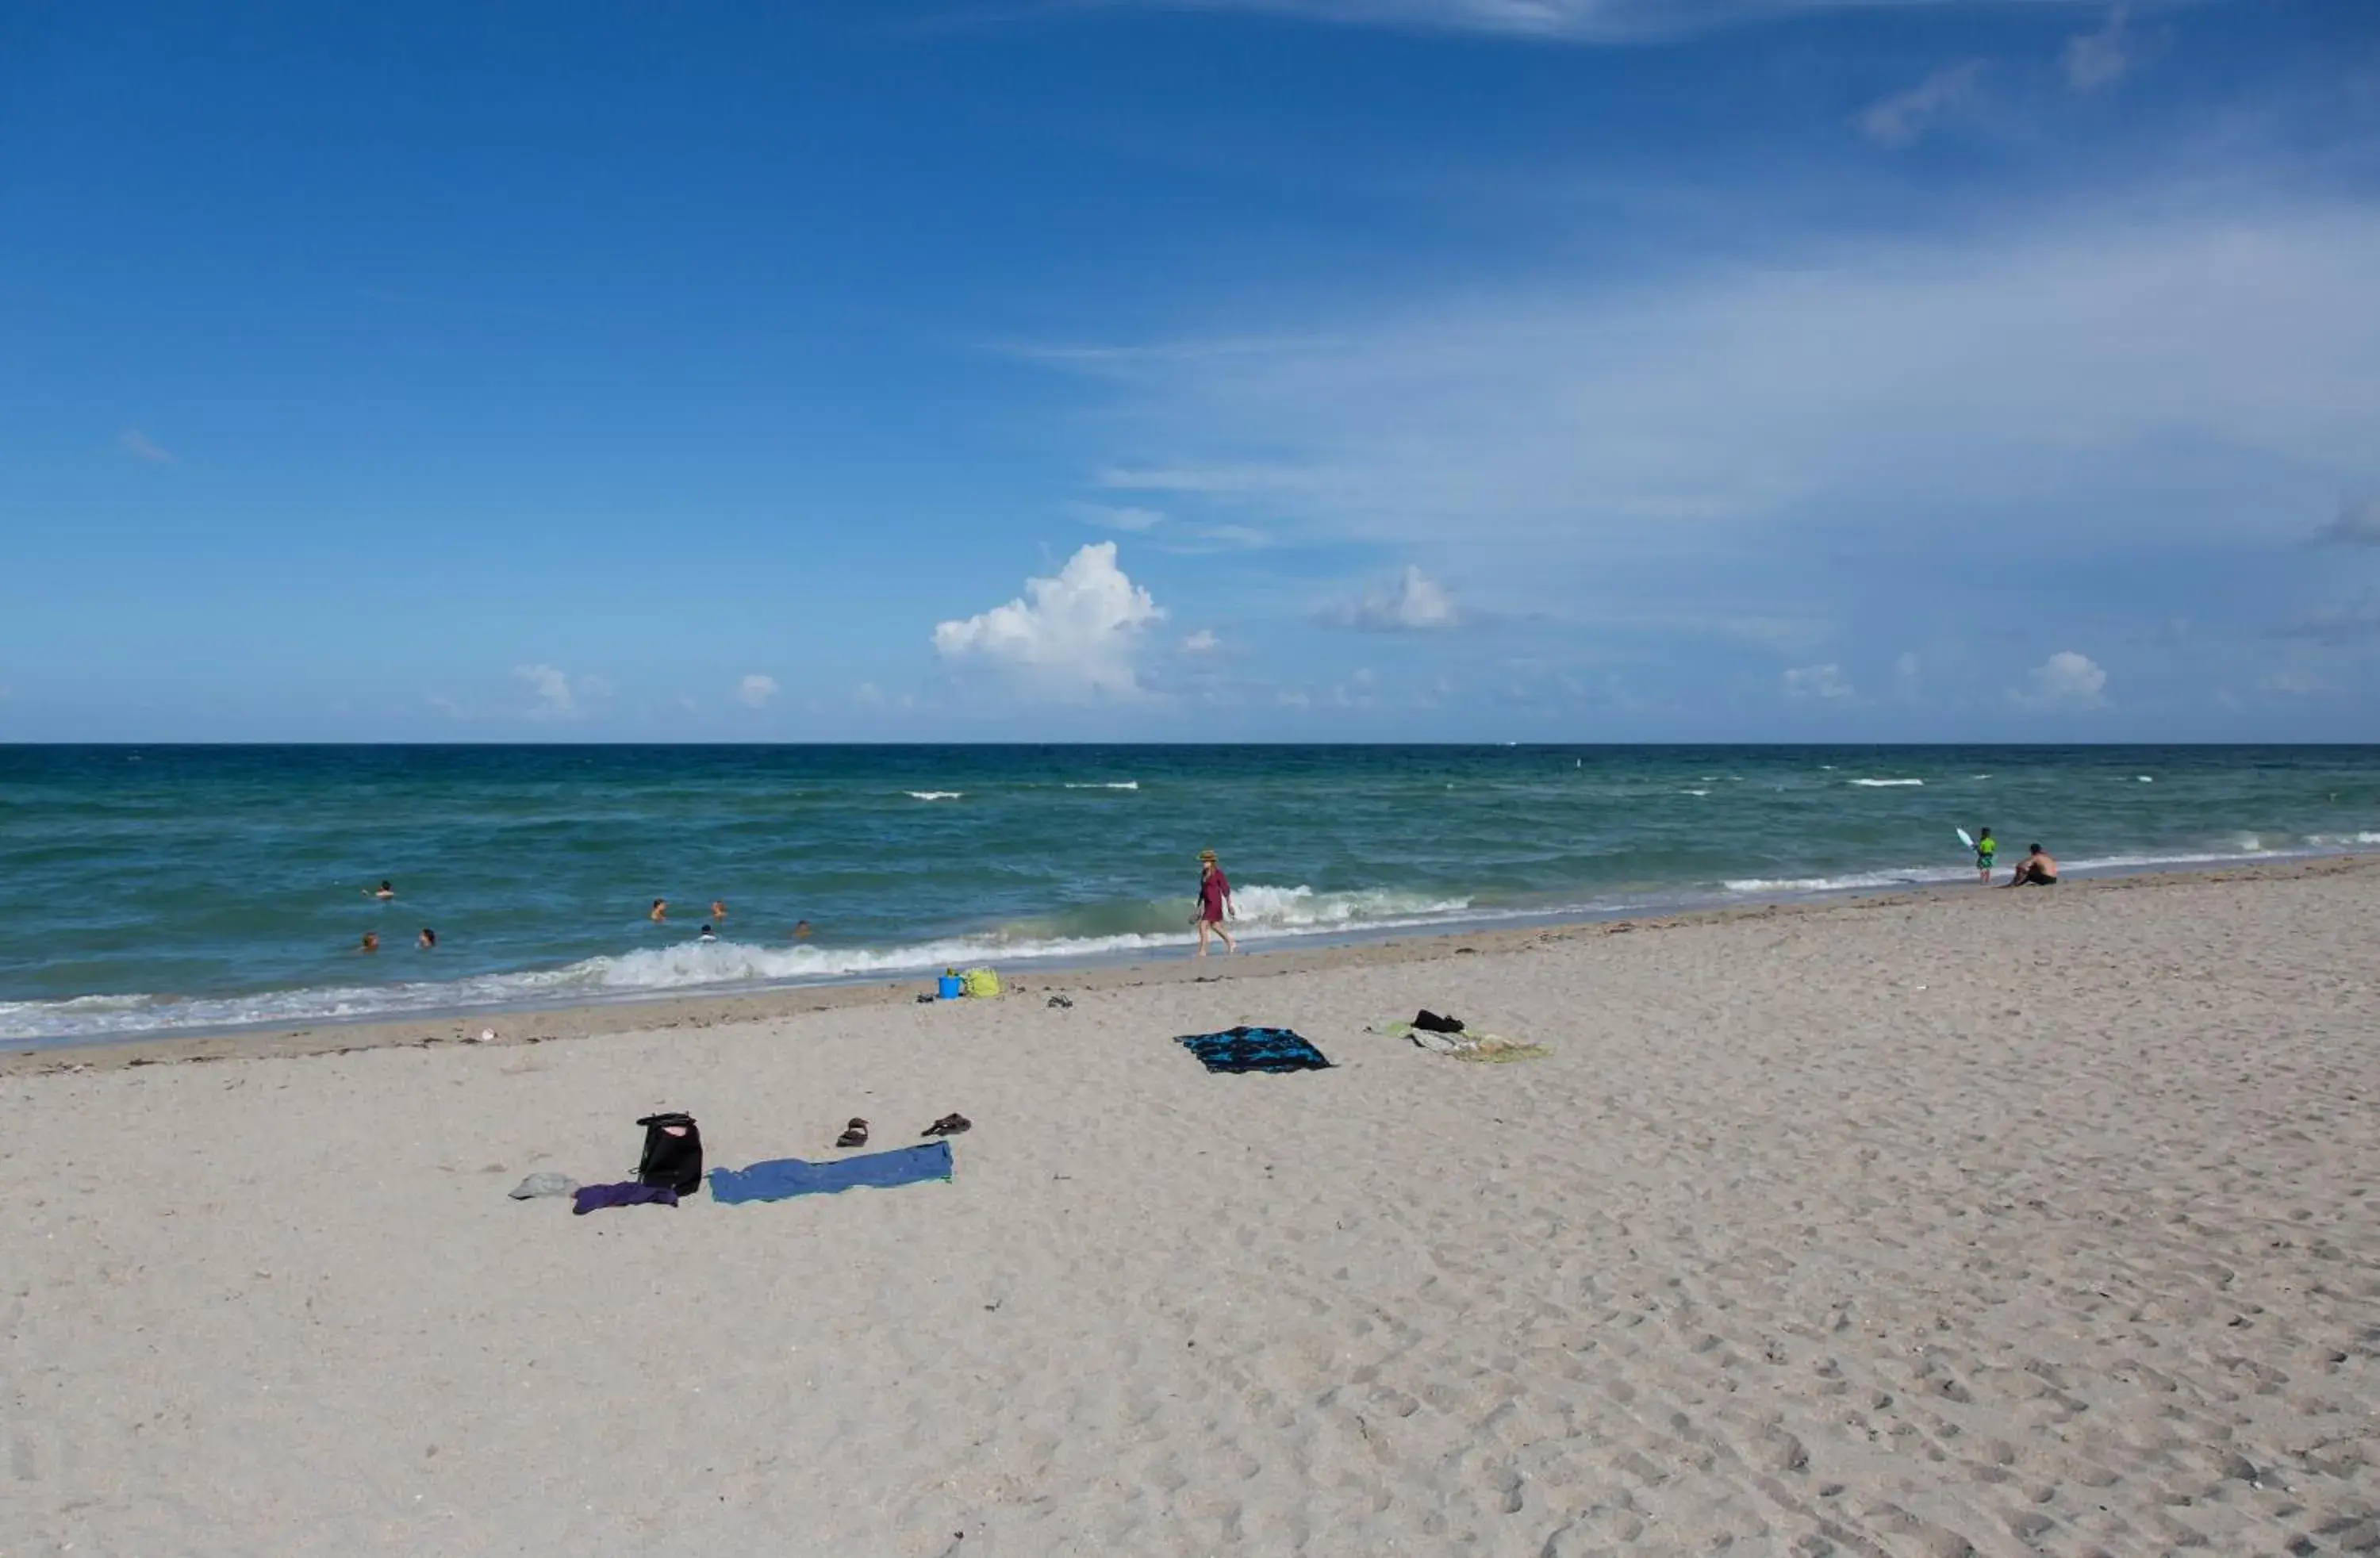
(782,1177)
(1254,1049)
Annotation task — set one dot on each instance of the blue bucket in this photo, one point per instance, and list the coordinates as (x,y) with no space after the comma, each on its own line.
(952,987)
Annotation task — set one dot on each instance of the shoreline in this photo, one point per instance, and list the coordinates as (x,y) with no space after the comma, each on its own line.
(528,1026)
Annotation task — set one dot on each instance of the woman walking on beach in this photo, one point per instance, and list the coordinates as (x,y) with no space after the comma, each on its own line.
(1214,902)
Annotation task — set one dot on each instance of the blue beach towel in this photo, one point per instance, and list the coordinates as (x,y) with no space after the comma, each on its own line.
(782,1177)
(1254,1049)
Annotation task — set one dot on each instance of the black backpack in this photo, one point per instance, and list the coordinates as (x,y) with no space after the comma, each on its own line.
(672,1153)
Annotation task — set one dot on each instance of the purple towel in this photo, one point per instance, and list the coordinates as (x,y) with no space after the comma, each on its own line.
(590,1197)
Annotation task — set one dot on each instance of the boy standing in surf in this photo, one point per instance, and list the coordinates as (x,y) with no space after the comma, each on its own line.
(1986,851)
(1214,902)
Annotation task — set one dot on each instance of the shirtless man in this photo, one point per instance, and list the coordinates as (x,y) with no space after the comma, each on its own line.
(2036,870)
(659,910)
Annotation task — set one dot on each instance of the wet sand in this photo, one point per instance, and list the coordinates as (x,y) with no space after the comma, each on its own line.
(1991,1222)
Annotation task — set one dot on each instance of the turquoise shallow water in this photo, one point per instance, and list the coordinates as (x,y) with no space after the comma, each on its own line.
(194,888)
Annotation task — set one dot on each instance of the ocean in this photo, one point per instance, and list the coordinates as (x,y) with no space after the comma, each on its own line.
(148,890)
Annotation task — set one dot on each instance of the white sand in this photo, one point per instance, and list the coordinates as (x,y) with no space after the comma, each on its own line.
(2006,1222)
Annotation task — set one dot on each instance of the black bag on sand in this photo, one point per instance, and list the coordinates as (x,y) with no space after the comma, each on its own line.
(1430,1022)
(672,1153)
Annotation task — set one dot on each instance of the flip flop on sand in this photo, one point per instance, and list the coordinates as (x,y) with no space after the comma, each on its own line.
(854,1134)
(950,1125)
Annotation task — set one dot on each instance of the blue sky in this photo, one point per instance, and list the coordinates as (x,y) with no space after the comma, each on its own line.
(1540,369)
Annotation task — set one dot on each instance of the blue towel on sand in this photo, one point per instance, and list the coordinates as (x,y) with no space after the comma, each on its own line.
(1254,1049)
(781,1177)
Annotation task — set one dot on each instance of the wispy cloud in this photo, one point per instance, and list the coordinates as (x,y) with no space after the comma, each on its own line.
(2099,59)
(1232,479)
(1201,642)
(1903,118)
(1412,604)
(2336,625)
(1824,683)
(1565,439)
(137,445)
(2357,523)
(1571,22)
(756,689)
(1114,517)
(1075,633)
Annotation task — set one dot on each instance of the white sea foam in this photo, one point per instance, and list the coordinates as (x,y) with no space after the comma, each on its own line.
(935,795)
(1264,912)
(1694,792)
(2341,840)
(1885,783)
(1119,785)
(1915,876)
(2144,778)
(1918,876)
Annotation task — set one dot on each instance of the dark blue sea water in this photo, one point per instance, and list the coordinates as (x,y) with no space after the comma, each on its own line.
(195,888)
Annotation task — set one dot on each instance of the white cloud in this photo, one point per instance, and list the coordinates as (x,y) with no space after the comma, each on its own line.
(1824,683)
(1414,603)
(2065,680)
(444,705)
(1110,517)
(551,689)
(2356,524)
(1201,642)
(1574,429)
(135,442)
(557,697)
(1903,118)
(1544,20)
(2099,59)
(756,689)
(1075,633)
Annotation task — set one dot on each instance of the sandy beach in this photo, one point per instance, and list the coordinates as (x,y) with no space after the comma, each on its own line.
(1999,1223)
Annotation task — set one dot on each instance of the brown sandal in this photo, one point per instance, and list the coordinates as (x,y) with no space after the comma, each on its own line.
(950,1125)
(854,1134)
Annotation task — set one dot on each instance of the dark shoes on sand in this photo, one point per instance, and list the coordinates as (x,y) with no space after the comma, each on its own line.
(855,1133)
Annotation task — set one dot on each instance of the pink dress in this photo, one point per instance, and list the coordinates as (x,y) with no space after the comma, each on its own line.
(1212,890)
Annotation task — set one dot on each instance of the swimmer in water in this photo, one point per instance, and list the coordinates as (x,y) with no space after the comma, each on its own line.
(384,892)
(801,930)
(717,908)
(370,942)
(705,935)
(659,910)
(426,941)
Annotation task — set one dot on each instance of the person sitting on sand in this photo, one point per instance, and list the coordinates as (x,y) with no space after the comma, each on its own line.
(384,892)
(370,942)
(426,941)
(1214,902)
(659,910)
(2036,870)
